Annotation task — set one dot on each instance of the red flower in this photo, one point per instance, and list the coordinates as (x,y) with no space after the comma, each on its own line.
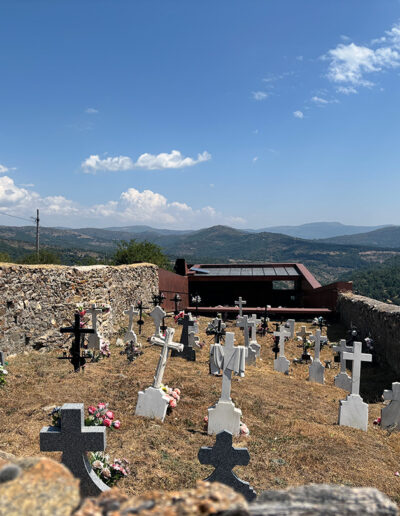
(110,414)
(107,422)
(172,403)
(116,424)
(91,409)
(101,406)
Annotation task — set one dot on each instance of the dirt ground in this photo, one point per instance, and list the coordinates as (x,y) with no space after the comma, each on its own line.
(294,437)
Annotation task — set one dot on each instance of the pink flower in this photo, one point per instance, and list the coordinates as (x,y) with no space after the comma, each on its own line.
(91,409)
(101,406)
(175,395)
(107,422)
(98,415)
(205,419)
(172,403)
(82,313)
(397,474)
(116,424)
(110,414)
(178,391)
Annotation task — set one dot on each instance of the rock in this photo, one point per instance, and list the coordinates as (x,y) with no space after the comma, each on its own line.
(205,499)
(38,487)
(323,500)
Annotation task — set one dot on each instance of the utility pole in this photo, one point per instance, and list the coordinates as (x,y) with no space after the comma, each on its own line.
(37,234)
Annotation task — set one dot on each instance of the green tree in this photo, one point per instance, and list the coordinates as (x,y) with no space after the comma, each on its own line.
(4,257)
(45,257)
(134,252)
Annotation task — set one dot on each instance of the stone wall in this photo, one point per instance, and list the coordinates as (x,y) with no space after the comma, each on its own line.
(379,320)
(36,300)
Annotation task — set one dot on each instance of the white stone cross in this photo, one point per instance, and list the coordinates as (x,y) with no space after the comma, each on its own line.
(316,369)
(390,415)
(357,357)
(282,334)
(130,335)
(394,394)
(157,314)
(303,333)
(230,365)
(167,344)
(253,323)
(290,324)
(317,344)
(243,323)
(341,349)
(323,339)
(240,302)
(94,338)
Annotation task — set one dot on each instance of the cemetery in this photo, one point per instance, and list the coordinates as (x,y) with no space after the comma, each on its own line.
(303,427)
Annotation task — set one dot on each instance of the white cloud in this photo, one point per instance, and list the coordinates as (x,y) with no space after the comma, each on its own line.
(319,100)
(91,111)
(350,64)
(163,161)
(255,159)
(167,161)
(3,169)
(259,95)
(133,206)
(298,114)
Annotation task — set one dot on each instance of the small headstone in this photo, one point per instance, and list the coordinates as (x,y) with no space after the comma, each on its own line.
(130,335)
(353,411)
(157,314)
(390,415)
(224,457)
(74,440)
(316,370)
(290,325)
(231,359)
(240,303)
(281,364)
(153,402)
(343,380)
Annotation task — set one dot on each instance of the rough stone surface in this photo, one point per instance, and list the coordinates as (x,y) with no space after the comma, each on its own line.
(43,488)
(380,321)
(323,500)
(205,499)
(39,299)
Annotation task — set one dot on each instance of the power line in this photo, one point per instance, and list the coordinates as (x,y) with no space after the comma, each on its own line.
(16,217)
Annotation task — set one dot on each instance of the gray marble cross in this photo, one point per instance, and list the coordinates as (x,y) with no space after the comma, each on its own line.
(303,333)
(224,457)
(74,440)
(357,357)
(253,323)
(230,365)
(240,302)
(130,335)
(94,338)
(390,415)
(282,334)
(243,323)
(157,314)
(341,349)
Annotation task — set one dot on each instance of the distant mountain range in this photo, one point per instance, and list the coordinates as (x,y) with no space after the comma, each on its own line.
(327,259)
(315,230)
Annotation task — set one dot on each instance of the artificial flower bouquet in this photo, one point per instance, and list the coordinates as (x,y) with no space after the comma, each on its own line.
(98,416)
(109,472)
(174,395)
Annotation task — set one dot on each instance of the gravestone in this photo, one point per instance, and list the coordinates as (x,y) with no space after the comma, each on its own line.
(140,322)
(253,323)
(290,325)
(303,333)
(157,314)
(74,440)
(343,380)
(390,415)
(281,364)
(353,411)
(130,335)
(94,338)
(251,351)
(224,457)
(153,402)
(231,359)
(75,357)
(323,339)
(316,371)
(217,328)
(240,303)
(188,338)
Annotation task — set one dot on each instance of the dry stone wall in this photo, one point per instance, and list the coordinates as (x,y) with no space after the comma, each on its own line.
(379,320)
(36,300)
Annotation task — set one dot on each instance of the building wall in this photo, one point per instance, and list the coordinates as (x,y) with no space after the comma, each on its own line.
(36,300)
(171,284)
(379,320)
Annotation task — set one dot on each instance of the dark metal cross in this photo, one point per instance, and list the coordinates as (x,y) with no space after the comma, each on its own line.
(264,324)
(158,299)
(276,348)
(140,321)
(224,457)
(176,299)
(74,440)
(188,352)
(76,359)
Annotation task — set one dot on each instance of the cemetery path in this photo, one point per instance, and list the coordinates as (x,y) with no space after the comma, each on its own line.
(294,437)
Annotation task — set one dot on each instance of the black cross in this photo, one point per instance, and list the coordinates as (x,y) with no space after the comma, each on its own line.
(141,321)
(264,324)
(76,359)
(158,299)
(176,299)
(188,353)
(164,327)
(224,457)
(275,348)
(306,355)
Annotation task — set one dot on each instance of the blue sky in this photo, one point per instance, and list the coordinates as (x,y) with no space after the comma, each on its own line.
(187,114)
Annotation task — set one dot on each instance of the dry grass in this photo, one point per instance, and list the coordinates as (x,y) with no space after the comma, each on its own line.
(294,437)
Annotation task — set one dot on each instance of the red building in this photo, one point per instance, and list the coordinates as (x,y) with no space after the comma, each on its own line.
(289,288)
